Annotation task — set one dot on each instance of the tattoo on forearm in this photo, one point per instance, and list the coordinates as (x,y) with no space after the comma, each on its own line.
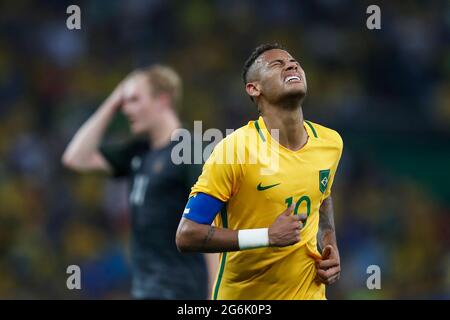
(326,223)
(209,236)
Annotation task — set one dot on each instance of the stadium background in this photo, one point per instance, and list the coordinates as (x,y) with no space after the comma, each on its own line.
(386,91)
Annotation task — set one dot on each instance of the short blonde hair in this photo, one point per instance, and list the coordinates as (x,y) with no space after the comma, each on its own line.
(163,80)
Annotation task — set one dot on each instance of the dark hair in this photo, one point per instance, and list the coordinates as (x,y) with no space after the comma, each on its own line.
(255,54)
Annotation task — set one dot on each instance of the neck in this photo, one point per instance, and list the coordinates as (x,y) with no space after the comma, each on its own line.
(160,135)
(289,122)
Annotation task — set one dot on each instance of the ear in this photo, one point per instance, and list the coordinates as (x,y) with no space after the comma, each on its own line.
(253,89)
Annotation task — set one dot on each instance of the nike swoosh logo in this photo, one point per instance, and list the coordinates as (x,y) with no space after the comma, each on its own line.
(259,187)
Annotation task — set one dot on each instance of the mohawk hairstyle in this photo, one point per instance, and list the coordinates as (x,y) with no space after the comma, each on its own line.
(255,54)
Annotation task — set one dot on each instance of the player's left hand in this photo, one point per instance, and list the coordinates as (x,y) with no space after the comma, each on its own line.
(329,267)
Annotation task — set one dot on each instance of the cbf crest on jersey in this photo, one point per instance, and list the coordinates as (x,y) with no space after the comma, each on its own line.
(324,177)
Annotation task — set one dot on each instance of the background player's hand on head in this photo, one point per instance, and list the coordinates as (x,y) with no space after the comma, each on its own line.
(115,99)
(285,231)
(329,267)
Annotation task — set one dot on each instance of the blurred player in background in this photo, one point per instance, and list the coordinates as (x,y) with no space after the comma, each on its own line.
(278,215)
(158,188)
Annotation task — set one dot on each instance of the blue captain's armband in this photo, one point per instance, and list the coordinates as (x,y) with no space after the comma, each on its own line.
(202,208)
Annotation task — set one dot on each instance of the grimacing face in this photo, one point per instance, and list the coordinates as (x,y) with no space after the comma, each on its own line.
(277,76)
(139,105)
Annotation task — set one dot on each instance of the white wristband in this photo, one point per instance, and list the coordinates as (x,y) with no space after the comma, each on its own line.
(253,238)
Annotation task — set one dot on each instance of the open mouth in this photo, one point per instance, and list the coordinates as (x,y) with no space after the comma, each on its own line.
(290,79)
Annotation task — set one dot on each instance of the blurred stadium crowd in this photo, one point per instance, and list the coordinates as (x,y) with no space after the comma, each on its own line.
(386,91)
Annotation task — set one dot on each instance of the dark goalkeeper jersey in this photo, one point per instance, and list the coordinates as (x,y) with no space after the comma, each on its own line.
(158,192)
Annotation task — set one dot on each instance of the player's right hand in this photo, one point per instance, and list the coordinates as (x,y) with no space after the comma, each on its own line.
(285,231)
(115,99)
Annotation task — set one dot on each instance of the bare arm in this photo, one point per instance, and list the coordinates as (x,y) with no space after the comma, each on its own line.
(82,153)
(329,266)
(327,234)
(195,237)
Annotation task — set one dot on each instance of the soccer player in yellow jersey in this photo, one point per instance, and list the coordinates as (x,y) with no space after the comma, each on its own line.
(271,180)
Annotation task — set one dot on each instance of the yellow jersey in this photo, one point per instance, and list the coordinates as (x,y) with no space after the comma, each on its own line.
(258,179)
